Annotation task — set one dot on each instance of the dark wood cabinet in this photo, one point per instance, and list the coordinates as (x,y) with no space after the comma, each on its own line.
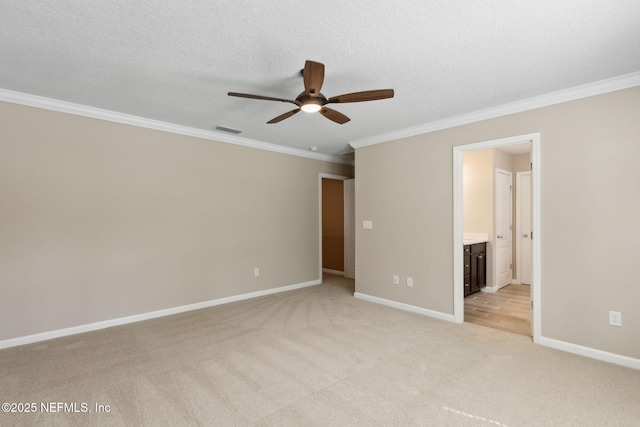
(475,267)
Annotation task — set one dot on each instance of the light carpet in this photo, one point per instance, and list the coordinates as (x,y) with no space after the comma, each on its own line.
(312,357)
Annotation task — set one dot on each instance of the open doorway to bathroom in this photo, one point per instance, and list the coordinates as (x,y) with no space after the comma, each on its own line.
(496,205)
(492,213)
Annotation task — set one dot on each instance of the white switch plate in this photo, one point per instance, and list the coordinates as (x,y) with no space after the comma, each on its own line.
(615,318)
(367,225)
(410,282)
(256,272)
(396,280)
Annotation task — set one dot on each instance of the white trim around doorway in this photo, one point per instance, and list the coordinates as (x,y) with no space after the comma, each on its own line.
(458,154)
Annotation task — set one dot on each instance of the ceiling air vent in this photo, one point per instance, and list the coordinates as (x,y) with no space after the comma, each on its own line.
(228,130)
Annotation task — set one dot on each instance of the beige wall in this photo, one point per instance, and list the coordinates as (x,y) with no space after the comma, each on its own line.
(590,209)
(100,220)
(477,197)
(502,160)
(521,162)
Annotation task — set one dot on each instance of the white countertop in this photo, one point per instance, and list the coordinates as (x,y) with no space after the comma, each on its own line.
(474,241)
(473,238)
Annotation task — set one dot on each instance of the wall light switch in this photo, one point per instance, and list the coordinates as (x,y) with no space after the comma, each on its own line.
(256,272)
(367,225)
(396,279)
(410,282)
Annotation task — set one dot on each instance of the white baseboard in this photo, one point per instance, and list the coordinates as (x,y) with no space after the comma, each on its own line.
(29,339)
(593,353)
(328,270)
(493,289)
(604,356)
(405,307)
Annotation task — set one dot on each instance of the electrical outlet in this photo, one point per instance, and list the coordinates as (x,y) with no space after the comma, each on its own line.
(396,280)
(256,272)
(410,282)
(615,318)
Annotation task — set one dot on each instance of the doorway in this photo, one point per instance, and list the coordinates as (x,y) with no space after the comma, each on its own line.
(337,225)
(458,159)
(488,221)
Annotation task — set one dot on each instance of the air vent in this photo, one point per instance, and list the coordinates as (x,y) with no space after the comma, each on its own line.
(228,130)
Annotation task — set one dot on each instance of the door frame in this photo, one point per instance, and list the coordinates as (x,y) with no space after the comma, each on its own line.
(320,177)
(349,189)
(458,157)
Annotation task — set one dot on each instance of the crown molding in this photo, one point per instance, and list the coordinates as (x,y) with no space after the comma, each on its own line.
(128,119)
(584,91)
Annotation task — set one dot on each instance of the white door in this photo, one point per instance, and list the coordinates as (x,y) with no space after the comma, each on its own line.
(349,229)
(523,226)
(502,238)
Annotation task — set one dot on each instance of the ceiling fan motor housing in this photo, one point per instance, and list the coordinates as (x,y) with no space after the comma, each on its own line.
(311,103)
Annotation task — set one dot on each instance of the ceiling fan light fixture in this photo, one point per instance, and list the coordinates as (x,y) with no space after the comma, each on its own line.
(311,100)
(311,108)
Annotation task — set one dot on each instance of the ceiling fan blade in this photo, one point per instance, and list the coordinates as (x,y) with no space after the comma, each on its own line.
(367,95)
(265,98)
(283,116)
(334,115)
(313,75)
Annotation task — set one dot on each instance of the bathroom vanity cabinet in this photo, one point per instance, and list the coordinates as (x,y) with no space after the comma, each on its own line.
(475,267)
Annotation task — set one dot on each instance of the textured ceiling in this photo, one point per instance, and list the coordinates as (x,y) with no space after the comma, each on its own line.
(175,61)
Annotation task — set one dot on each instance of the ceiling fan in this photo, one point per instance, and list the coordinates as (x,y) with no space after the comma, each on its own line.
(311,100)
